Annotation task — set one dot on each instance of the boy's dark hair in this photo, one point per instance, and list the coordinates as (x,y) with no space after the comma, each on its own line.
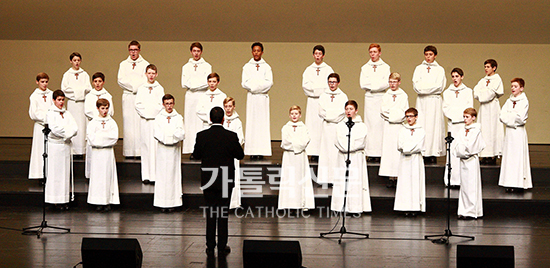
(352,103)
(518,80)
(257,44)
(134,43)
(42,76)
(412,110)
(431,48)
(320,48)
(216,115)
(75,54)
(458,71)
(168,97)
(152,67)
(335,75)
(57,93)
(98,75)
(102,102)
(212,75)
(197,45)
(493,63)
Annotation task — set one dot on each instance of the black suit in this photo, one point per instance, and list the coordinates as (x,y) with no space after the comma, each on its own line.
(217,147)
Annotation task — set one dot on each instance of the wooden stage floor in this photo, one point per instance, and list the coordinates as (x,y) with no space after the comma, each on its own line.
(177,239)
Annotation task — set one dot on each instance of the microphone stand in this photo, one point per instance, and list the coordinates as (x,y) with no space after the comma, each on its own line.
(40,228)
(343,230)
(444,238)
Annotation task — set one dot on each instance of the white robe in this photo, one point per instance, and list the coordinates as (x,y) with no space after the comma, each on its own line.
(332,110)
(487,91)
(58,172)
(374,80)
(314,83)
(148,105)
(234,124)
(392,112)
(208,100)
(455,101)
(467,147)
(76,84)
(257,79)
(169,132)
(296,187)
(102,134)
(90,109)
(193,78)
(515,169)
(410,193)
(131,75)
(358,196)
(429,81)
(40,102)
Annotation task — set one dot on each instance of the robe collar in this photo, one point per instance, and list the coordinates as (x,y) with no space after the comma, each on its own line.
(261,61)
(106,118)
(492,77)
(42,92)
(336,92)
(322,65)
(460,87)
(200,61)
(73,71)
(138,60)
(399,91)
(297,124)
(415,126)
(98,93)
(173,114)
(473,126)
(155,84)
(55,109)
(234,116)
(430,64)
(357,119)
(215,92)
(378,63)
(520,97)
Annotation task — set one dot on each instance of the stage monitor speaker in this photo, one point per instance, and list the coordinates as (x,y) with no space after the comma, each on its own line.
(484,256)
(111,252)
(270,254)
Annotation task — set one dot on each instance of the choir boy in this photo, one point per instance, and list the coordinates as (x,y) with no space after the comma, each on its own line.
(193,79)
(392,110)
(76,84)
(148,105)
(233,123)
(428,82)
(469,143)
(40,102)
(102,135)
(213,97)
(131,75)
(330,110)
(487,91)
(169,132)
(63,127)
(374,80)
(410,193)
(257,79)
(515,169)
(314,83)
(296,188)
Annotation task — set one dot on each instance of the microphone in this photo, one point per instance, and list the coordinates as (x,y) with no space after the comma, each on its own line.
(46,130)
(350,123)
(449,138)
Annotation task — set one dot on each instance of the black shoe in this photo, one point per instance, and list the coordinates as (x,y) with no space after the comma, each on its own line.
(107,208)
(210,251)
(99,208)
(226,250)
(191,157)
(163,210)
(146,181)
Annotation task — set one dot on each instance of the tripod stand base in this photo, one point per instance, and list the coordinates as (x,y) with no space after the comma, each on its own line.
(40,228)
(342,232)
(444,238)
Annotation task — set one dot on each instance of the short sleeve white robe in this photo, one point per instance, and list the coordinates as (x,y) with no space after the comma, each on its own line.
(296,188)
(332,110)
(429,81)
(392,111)
(487,91)
(410,193)
(455,101)
(374,80)
(91,112)
(76,84)
(63,128)
(208,100)
(148,105)
(358,199)
(234,124)
(314,83)
(169,132)
(193,78)
(40,102)
(102,135)
(257,79)
(468,144)
(131,75)
(515,169)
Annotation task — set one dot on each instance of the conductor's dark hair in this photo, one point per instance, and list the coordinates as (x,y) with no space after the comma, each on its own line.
(431,48)
(197,45)
(168,97)
(320,48)
(335,75)
(216,115)
(458,71)
(352,103)
(134,43)
(493,63)
(75,54)
(57,93)
(258,44)
(98,75)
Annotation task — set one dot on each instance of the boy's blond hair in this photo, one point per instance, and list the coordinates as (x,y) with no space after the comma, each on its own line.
(395,76)
(295,107)
(229,99)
